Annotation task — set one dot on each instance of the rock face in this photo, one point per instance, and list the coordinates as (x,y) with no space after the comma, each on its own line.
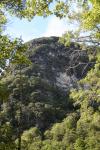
(59,65)
(42,91)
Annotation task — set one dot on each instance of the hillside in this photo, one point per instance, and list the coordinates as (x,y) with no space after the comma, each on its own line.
(39,93)
(45,84)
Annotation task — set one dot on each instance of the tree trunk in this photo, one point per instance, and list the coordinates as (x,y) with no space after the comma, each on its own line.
(19,142)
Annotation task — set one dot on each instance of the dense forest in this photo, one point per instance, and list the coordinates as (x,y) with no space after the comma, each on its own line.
(50,87)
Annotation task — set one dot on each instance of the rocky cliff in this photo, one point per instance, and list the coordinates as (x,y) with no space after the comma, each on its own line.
(39,93)
(58,65)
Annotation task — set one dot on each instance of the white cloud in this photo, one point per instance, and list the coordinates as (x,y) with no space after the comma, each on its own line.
(39,27)
(56,27)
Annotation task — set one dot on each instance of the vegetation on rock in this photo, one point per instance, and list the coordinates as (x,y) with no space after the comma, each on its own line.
(35,99)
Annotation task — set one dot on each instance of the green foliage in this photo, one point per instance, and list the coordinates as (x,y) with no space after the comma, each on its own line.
(40,101)
(88,96)
(29,137)
(32,8)
(87,16)
(4,93)
(79,137)
(79,144)
(80,130)
(6,139)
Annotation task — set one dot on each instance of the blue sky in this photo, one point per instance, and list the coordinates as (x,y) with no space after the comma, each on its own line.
(38,27)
